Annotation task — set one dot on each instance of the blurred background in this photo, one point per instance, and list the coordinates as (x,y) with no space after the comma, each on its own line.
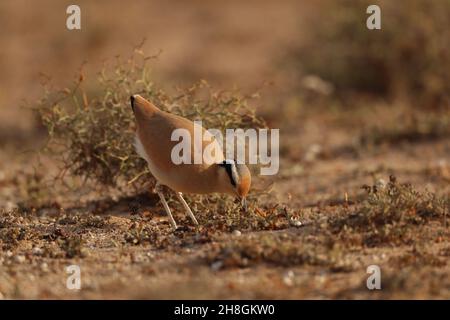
(229,44)
(311,54)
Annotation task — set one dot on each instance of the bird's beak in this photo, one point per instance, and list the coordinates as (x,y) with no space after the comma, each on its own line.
(244,203)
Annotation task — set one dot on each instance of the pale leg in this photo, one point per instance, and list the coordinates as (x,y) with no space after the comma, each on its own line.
(165,205)
(185,205)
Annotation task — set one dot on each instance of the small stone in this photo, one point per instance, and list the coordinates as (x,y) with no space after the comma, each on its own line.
(313,152)
(380,184)
(44,267)
(36,251)
(215,266)
(288,278)
(19,259)
(295,223)
(237,233)
(9,254)
(316,84)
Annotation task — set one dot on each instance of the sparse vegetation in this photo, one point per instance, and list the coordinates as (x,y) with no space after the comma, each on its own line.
(418,257)
(390,214)
(278,250)
(138,233)
(72,246)
(92,132)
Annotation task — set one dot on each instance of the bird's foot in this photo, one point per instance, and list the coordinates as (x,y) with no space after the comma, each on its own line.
(158,188)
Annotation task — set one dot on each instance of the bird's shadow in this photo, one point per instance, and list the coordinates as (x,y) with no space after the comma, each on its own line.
(127,205)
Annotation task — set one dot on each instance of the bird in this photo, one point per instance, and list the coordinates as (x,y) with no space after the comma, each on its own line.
(154,128)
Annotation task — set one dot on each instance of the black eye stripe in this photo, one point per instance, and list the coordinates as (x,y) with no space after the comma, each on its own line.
(230,174)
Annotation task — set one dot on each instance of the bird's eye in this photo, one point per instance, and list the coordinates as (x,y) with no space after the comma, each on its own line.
(227,162)
(222,164)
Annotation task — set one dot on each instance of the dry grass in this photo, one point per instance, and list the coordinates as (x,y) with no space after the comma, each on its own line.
(283,250)
(91,126)
(413,126)
(390,215)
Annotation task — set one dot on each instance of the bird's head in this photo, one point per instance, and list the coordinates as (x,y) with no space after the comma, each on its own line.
(141,107)
(236,178)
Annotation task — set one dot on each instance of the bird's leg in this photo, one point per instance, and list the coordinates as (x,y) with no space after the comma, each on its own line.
(185,205)
(165,205)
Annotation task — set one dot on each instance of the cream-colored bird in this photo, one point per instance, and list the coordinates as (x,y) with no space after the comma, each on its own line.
(153,143)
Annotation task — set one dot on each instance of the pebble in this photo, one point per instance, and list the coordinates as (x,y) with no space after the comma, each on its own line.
(44,267)
(19,259)
(216,265)
(380,184)
(312,152)
(237,233)
(36,251)
(288,278)
(295,223)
